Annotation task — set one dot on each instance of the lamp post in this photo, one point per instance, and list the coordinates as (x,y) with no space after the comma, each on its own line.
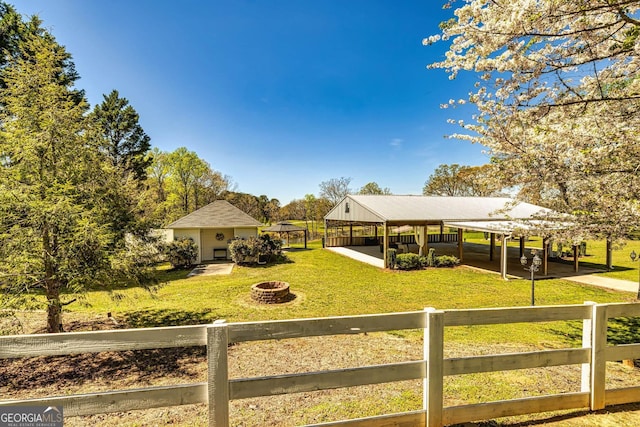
(534,267)
(635,257)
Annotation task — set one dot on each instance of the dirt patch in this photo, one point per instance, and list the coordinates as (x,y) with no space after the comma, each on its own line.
(50,376)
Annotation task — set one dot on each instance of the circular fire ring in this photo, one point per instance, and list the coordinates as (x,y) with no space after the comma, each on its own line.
(273,292)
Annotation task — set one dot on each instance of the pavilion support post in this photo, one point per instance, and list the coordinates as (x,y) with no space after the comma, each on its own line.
(492,245)
(305,239)
(441,232)
(326,227)
(609,254)
(385,244)
(375,228)
(521,246)
(460,252)
(545,256)
(425,246)
(350,234)
(575,258)
(503,256)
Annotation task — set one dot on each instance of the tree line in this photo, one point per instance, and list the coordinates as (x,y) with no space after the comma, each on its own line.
(81,188)
(557,108)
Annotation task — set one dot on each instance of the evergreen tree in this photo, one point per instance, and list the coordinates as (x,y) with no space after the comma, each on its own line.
(124,141)
(125,146)
(50,236)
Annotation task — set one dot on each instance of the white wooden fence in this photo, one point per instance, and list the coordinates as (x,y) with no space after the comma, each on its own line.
(219,389)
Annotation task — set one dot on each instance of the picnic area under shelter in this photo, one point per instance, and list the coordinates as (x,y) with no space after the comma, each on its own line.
(498,217)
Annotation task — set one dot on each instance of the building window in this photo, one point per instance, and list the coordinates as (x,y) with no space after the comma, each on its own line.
(346,207)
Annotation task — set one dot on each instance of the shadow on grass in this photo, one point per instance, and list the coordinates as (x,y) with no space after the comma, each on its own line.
(284,260)
(155,318)
(620,330)
(118,369)
(584,262)
(610,410)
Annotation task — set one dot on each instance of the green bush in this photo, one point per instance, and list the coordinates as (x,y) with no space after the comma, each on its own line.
(181,253)
(255,249)
(410,261)
(446,261)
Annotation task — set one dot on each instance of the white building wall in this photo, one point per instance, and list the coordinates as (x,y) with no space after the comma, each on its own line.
(190,233)
(245,233)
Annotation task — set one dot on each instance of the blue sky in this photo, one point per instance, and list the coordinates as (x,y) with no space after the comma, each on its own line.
(280,95)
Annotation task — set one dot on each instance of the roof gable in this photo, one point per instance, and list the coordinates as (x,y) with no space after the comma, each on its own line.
(219,214)
(374,208)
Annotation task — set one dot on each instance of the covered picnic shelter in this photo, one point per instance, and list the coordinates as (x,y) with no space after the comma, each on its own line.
(285,227)
(496,216)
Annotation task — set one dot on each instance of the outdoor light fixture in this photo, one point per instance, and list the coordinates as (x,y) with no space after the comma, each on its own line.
(635,257)
(536,262)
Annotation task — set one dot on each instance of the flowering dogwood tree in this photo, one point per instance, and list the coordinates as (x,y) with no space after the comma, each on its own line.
(558,100)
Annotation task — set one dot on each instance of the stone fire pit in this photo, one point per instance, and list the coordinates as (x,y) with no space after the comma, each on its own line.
(270,292)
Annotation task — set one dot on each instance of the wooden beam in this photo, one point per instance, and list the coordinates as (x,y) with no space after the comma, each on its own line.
(218,373)
(244,388)
(460,249)
(120,401)
(575,258)
(385,245)
(97,341)
(494,316)
(545,256)
(340,325)
(504,408)
(503,256)
(432,395)
(598,356)
(492,245)
(521,246)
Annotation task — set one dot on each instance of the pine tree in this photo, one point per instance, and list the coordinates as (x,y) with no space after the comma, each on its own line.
(50,236)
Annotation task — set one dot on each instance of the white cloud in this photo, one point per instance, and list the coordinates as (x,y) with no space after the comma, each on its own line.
(396,142)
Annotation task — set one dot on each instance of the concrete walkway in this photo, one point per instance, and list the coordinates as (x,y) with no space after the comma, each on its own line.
(359,255)
(476,256)
(217,268)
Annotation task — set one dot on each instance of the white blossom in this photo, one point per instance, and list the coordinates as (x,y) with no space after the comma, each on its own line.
(558,101)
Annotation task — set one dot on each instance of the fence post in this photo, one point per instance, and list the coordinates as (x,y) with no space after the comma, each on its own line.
(598,357)
(433,354)
(218,373)
(587,328)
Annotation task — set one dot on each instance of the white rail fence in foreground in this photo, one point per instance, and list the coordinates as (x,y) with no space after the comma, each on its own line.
(219,389)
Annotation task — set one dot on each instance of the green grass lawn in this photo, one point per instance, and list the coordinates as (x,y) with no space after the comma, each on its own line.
(623,267)
(327,284)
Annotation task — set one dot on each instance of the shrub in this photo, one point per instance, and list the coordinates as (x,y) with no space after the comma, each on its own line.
(181,253)
(255,249)
(409,261)
(446,261)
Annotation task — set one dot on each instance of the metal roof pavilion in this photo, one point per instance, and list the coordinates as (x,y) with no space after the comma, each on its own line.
(401,210)
(496,215)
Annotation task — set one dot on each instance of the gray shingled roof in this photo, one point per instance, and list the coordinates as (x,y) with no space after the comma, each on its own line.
(219,214)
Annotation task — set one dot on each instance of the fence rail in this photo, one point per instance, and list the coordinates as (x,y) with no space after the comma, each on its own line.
(333,241)
(219,389)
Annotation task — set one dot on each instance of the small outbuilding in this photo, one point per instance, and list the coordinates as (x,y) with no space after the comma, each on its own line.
(213,227)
